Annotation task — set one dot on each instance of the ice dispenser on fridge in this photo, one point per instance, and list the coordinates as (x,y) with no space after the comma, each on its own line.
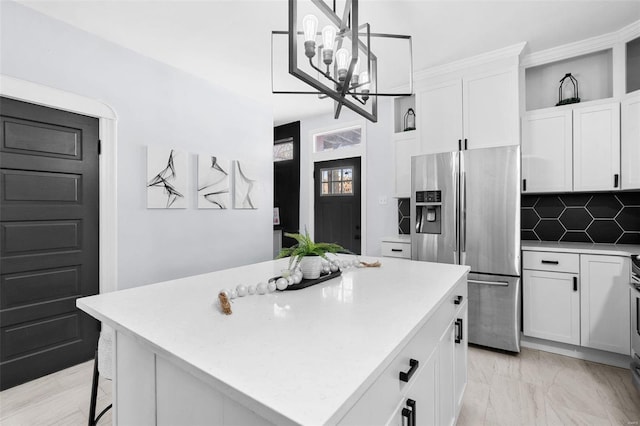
(428,212)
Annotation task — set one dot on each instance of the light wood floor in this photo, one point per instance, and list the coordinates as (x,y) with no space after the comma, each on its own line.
(533,388)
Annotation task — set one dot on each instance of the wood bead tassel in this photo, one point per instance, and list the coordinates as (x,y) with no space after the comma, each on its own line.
(224,303)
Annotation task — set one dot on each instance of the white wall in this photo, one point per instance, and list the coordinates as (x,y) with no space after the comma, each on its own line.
(156,105)
(382,220)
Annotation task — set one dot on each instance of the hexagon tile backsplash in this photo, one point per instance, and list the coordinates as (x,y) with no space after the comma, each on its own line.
(582,217)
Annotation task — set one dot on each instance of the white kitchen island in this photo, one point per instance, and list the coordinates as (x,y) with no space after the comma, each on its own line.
(327,354)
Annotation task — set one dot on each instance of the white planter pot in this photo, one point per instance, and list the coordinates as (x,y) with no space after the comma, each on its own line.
(311,266)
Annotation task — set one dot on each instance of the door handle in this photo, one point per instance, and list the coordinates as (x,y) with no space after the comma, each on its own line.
(406,376)
(498,283)
(459,144)
(575,283)
(524,185)
(463,210)
(465,144)
(616,177)
(412,404)
(459,330)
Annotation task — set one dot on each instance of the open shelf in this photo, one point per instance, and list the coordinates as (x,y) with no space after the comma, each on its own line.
(400,108)
(593,71)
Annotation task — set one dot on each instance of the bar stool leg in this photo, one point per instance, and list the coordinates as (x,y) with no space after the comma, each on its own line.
(93,420)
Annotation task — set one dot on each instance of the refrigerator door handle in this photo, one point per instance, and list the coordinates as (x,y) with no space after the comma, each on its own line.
(463,213)
(498,283)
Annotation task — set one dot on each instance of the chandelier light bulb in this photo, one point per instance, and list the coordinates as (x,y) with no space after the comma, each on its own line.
(328,41)
(356,73)
(366,86)
(310,25)
(342,62)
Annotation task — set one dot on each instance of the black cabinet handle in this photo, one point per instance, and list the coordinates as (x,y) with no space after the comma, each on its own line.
(396,250)
(575,283)
(550,262)
(406,414)
(616,177)
(524,185)
(405,377)
(457,300)
(459,330)
(413,419)
(459,144)
(465,144)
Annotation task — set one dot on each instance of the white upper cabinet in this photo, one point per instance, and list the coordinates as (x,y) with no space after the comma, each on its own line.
(490,109)
(630,142)
(547,151)
(596,147)
(440,117)
(474,111)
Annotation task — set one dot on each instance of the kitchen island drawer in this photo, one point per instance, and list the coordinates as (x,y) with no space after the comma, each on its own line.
(550,261)
(394,249)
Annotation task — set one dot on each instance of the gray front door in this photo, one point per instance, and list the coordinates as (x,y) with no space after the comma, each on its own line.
(337,203)
(49,239)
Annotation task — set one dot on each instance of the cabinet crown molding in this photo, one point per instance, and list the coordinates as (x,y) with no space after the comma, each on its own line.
(513,51)
(581,47)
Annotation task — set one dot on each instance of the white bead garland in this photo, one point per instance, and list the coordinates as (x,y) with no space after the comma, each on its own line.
(288,278)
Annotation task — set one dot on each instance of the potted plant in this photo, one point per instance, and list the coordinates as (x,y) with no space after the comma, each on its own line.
(309,254)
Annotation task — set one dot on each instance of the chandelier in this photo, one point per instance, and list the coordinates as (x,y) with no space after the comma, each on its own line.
(333,55)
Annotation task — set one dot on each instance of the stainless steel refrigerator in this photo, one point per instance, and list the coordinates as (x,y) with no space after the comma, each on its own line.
(465,209)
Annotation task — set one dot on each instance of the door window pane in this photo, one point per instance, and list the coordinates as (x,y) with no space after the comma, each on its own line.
(283,151)
(337,181)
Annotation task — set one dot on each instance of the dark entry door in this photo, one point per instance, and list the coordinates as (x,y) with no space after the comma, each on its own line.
(337,202)
(49,239)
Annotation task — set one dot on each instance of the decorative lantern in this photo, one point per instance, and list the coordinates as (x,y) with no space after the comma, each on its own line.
(575,98)
(410,120)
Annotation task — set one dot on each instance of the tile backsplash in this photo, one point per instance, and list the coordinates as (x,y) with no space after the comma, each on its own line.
(404,213)
(582,217)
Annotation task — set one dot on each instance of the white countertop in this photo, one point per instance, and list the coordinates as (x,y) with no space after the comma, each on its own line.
(400,238)
(586,248)
(304,356)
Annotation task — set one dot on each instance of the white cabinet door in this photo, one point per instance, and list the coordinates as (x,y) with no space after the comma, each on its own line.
(551,306)
(446,377)
(605,317)
(460,359)
(547,151)
(630,142)
(405,147)
(596,147)
(439,110)
(490,109)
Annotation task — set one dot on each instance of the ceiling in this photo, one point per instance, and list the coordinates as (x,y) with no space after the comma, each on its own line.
(229,42)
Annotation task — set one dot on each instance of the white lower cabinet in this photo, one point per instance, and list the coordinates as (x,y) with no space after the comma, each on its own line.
(589,308)
(434,364)
(605,320)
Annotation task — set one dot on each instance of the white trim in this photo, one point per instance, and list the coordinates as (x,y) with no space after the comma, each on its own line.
(337,154)
(27,91)
(570,50)
(579,352)
(629,32)
(513,51)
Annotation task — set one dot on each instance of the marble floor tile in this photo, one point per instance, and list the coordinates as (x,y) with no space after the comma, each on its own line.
(474,405)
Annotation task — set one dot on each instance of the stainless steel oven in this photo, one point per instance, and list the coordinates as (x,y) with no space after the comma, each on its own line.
(635,321)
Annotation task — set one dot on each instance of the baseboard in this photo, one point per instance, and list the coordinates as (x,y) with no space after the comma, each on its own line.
(588,354)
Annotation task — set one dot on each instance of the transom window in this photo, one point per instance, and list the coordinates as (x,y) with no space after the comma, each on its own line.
(337,139)
(337,181)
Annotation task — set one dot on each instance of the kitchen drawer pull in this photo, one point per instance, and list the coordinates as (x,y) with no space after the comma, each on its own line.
(405,377)
(616,177)
(396,250)
(406,414)
(412,404)
(550,262)
(575,283)
(457,300)
(459,330)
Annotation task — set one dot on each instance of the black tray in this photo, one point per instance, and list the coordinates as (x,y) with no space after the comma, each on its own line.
(308,283)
